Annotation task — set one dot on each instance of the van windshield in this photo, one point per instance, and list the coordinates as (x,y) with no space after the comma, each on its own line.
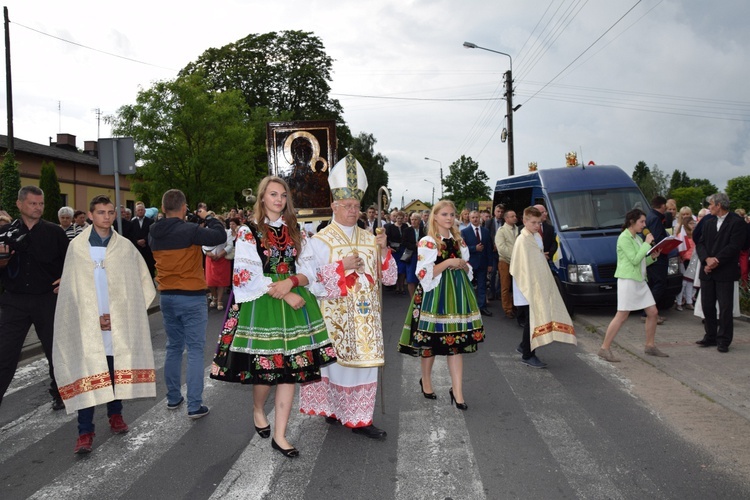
(595,209)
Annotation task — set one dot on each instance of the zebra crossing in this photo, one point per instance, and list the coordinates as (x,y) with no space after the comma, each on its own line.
(527,433)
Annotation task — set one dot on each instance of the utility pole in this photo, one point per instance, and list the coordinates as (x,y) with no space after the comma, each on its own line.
(8,84)
(509,111)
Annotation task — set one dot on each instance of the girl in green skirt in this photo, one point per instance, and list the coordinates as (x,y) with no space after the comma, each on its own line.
(274,334)
(443,318)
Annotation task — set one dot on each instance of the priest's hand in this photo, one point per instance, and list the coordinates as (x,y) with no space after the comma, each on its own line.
(353,262)
(382,240)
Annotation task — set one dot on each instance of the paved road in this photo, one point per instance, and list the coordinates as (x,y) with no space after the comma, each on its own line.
(576,430)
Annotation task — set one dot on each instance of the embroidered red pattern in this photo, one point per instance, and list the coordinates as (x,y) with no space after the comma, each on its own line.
(101,380)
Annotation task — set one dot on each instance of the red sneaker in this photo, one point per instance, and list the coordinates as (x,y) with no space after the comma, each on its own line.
(117,424)
(84,443)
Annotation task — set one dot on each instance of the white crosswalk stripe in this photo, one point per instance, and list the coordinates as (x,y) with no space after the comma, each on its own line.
(434,447)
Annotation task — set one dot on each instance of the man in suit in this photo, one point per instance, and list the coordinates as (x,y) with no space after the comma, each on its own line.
(372,210)
(139,227)
(505,238)
(657,222)
(492,225)
(477,238)
(547,232)
(718,247)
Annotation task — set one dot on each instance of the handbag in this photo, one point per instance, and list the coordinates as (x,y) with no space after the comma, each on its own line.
(406,256)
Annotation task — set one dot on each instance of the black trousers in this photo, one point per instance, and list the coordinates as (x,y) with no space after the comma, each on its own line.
(720,331)
(523,318)
(18,312)
(657,279)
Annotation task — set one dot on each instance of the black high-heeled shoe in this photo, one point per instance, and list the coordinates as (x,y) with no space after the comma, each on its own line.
(289,452)
(460,406)
(264,432)
(428,395)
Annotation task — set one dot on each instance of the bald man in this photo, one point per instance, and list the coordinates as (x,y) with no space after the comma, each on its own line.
(549,237)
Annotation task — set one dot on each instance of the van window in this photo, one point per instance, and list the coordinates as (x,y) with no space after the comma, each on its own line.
(516,200)
(595,209)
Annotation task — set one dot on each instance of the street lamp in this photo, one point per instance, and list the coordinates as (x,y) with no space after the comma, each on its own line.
(402,198)
(508,101)
(441,174)
(433,191)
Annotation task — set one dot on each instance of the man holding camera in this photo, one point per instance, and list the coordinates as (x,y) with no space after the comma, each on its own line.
(176,246)
(34,253)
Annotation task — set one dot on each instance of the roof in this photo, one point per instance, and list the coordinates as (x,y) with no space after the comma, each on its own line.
(569,179)
(49,151)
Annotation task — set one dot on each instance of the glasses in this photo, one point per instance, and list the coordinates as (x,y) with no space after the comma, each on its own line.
(349,207)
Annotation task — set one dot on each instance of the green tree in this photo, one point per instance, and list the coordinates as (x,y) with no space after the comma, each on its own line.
(466,182)
(706,186)
(660,180)
(51,186)
(287,73)
(738,190)
(363,149)
(10,184)
(194,139)
(644,180)
(679,179)
(688,196)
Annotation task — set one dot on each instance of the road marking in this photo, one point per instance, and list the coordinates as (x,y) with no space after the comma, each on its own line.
(434,447)
(585,474)
(259,468)
(28,375)
(29,429)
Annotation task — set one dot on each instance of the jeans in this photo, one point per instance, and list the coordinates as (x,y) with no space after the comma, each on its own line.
(185,319)
(86,415)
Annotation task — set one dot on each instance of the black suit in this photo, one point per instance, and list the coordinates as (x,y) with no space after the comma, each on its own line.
(139,231)
(724,244)
(409,238)
(549,239)
(492,226)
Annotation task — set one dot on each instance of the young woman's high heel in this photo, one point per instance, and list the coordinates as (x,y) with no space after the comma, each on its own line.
(460,406)
(428,395)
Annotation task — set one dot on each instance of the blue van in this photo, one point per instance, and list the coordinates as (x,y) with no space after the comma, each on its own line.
(587,207)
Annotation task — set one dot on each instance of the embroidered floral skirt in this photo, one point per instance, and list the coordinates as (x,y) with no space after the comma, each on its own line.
(265,341)
(444,321)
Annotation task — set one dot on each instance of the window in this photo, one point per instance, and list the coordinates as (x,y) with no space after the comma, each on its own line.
(596,209)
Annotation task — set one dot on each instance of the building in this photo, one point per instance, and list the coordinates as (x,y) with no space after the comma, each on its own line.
(77,172)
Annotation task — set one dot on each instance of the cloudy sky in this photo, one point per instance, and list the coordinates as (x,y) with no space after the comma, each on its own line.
(618,81)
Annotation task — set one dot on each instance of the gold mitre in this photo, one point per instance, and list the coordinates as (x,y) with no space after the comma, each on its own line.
(347,179)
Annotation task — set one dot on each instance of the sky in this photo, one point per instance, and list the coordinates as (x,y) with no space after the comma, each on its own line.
(617,81)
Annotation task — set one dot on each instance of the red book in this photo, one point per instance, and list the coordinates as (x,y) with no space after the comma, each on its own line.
(666,245)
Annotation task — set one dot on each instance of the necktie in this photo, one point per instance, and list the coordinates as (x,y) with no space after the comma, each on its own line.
(476,230)
(541,233)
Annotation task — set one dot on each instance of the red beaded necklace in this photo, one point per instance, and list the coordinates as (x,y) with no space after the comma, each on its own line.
(281,242)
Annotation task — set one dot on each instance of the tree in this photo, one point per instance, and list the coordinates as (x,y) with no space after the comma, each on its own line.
(194,139)
(706,186)
(363,149)
(738,190)
(466,182)
(688,196)
(287,73)
(51,186)
(660,180)
(10,184)
(679,179)
(644,180)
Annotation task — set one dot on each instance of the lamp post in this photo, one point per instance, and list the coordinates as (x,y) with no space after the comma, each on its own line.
(508,100)
(441,175)
(402,198)
(433,191)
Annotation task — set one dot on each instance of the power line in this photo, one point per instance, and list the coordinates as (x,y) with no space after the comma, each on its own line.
(587,49)
(94,49)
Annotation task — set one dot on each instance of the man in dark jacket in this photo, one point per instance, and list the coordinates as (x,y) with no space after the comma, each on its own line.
(718,246)
(657,222)
(181,281)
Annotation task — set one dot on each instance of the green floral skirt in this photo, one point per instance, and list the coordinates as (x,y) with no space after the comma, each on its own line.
(444,321)
(265,341)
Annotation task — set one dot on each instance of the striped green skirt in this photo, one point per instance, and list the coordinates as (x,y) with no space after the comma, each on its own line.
(444,321)
(265,341)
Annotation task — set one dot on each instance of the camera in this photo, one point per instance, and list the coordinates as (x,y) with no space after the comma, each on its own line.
(191,217)
(11,238)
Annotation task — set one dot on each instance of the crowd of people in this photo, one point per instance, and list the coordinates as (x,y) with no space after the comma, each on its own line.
(304,308)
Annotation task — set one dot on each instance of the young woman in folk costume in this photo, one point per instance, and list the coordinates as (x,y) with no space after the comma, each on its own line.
(444,317)
(274,335)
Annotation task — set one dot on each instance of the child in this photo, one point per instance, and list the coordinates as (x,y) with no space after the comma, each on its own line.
(686,294)
(545,318)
